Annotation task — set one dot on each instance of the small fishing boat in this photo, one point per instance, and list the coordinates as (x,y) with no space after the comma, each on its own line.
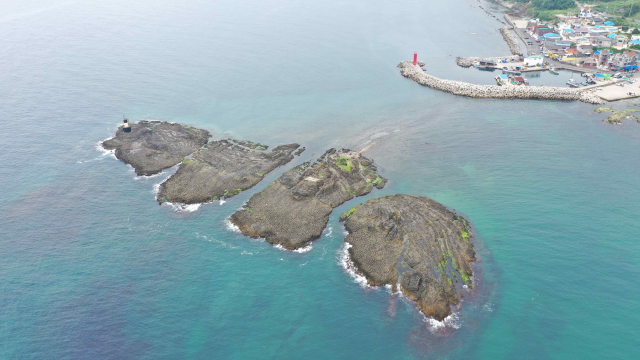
(572,83)
(553,71)
(506,70)
(485,68)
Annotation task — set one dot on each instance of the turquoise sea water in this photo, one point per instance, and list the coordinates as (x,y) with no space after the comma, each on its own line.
(92,268)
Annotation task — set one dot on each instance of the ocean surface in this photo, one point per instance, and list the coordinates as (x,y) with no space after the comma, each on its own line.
(91,267)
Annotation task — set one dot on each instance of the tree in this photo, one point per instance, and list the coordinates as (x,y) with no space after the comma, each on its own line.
(635,32)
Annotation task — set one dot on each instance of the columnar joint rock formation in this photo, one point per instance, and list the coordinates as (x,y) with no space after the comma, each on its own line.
(413,242)
(408,70)
(222,169)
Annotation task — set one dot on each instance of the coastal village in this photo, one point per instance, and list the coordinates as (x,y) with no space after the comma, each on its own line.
(605,53)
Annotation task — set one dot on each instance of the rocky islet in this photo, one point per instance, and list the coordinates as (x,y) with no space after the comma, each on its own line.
(294,210)
(153,146)
(222,169)
(414,243)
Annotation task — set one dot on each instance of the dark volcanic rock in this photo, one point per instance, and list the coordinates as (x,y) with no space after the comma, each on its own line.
(153,146)
(222,169)
(413,241)
(294,209)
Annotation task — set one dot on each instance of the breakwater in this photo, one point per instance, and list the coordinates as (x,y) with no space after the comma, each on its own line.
(469,61)
(514,44)
(408,70)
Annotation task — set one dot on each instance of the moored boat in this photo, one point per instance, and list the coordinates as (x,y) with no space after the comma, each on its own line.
(572,83)
(510,71)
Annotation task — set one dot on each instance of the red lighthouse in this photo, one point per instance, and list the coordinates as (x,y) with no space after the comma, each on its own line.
(415,58)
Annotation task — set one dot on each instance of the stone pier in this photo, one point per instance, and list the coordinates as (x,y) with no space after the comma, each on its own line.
(415,73)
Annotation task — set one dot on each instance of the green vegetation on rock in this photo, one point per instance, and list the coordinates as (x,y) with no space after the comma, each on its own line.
(344,163)
(346,215)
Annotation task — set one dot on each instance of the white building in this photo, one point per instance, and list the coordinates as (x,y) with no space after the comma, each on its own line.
(534,60)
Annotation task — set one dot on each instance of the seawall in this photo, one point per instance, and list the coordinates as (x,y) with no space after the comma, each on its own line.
(514,44)
(415,73)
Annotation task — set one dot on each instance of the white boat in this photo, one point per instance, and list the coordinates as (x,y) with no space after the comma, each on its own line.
(511,71)
(553,71)
(572,83)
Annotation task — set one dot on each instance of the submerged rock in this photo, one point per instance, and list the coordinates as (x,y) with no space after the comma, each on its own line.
(222,169)
(294,209)
(413,242)
(617,116)
(153,146)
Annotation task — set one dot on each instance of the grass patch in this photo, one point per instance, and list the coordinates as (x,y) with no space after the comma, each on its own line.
(261,175)
(344,163)
(346,215)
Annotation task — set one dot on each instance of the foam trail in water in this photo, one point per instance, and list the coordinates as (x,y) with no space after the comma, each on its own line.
(328,231)
(350,268)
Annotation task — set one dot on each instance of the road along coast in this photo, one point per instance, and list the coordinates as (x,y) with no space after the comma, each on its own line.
(415,73)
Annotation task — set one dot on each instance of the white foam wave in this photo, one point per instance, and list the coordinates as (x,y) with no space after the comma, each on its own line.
(279,247)
(246,253)
(304,249)
(452,321)
(222,201)
(142,177)
(104,151)
(182,207)
(346,263)
(231,226)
